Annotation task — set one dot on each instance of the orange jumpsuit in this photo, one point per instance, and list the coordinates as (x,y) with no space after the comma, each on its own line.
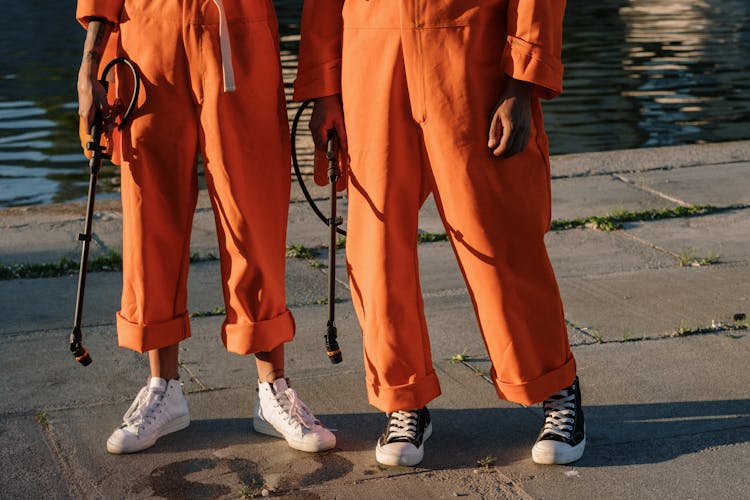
(419,81)
(211,82)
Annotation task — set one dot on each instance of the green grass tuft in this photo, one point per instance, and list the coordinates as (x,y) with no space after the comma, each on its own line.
(110,261)
(216,311)
(299,251)
(431,237)
(614,220)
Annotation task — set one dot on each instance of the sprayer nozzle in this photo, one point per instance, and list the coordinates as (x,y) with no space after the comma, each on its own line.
(332,345)
(84,358)
(81,353)
(335,356)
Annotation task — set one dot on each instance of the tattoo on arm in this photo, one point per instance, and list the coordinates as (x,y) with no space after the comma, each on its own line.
(96,39)
(93,56)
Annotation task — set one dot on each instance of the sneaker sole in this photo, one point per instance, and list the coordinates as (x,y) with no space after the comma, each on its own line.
(558,457)
(385,458)
(176,425)
(263,427)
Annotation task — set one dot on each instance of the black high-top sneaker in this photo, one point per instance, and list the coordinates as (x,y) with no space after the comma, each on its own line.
(563,436)
(404,437)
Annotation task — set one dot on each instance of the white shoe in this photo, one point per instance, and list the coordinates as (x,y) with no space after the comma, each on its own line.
(280,412)
(159,409)
(402,443)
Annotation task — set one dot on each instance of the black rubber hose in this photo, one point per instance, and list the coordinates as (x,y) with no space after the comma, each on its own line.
(297,172)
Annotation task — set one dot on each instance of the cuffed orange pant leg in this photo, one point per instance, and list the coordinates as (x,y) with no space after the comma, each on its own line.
(159,183)
(245,136)
(244,139)
(386,188)
(496,212)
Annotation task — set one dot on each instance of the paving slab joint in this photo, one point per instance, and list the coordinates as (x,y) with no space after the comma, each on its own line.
(74,483)
(649,190)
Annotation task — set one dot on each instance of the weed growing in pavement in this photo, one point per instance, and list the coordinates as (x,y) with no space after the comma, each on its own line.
(253,490)
(41,419)
(110,261)
(424,237)
(486,462)
(740,322)
(594,333)
(614,220)
(298,251)
(687,259)
(460,358)
(627,337)
(216,311)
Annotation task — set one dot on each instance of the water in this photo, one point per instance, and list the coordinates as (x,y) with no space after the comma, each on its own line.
(639,73)
(643,73)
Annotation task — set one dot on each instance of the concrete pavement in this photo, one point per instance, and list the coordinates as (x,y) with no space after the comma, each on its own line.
(662,351)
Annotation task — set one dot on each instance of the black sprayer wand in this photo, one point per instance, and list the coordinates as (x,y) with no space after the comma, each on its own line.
(333,222)
(98,153)
(332,345)
(95,164)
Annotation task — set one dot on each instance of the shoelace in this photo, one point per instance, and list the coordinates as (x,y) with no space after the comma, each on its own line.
(560,413)
(142,411)
(402,426)
(296,410)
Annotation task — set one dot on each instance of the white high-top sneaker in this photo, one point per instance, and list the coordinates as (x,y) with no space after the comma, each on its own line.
(280,412)
(159,408)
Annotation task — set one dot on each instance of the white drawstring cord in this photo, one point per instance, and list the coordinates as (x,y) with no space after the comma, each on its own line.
(226,49)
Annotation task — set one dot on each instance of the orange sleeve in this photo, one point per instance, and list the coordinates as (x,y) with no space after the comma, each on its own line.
(319,69)
(107,9)
(534,45)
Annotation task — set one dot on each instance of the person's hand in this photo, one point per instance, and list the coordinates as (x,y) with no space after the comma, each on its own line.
(91,96)
(328,114)
(510,124)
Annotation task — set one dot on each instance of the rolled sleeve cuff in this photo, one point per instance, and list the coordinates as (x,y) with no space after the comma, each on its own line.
(107,9)
(322,81)
(526,62)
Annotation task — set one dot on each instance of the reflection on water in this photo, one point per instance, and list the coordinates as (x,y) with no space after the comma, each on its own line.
(643,73)
(639,73)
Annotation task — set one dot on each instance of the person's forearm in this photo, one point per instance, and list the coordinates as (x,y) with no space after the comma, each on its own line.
(91,94)
(97,35)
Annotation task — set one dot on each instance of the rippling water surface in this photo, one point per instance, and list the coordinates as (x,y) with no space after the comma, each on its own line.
(639,73)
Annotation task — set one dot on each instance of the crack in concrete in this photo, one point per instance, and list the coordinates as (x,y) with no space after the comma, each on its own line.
(193,377)
(649,190)
(596,338)
(73,480)
(662,168)
(647,243)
